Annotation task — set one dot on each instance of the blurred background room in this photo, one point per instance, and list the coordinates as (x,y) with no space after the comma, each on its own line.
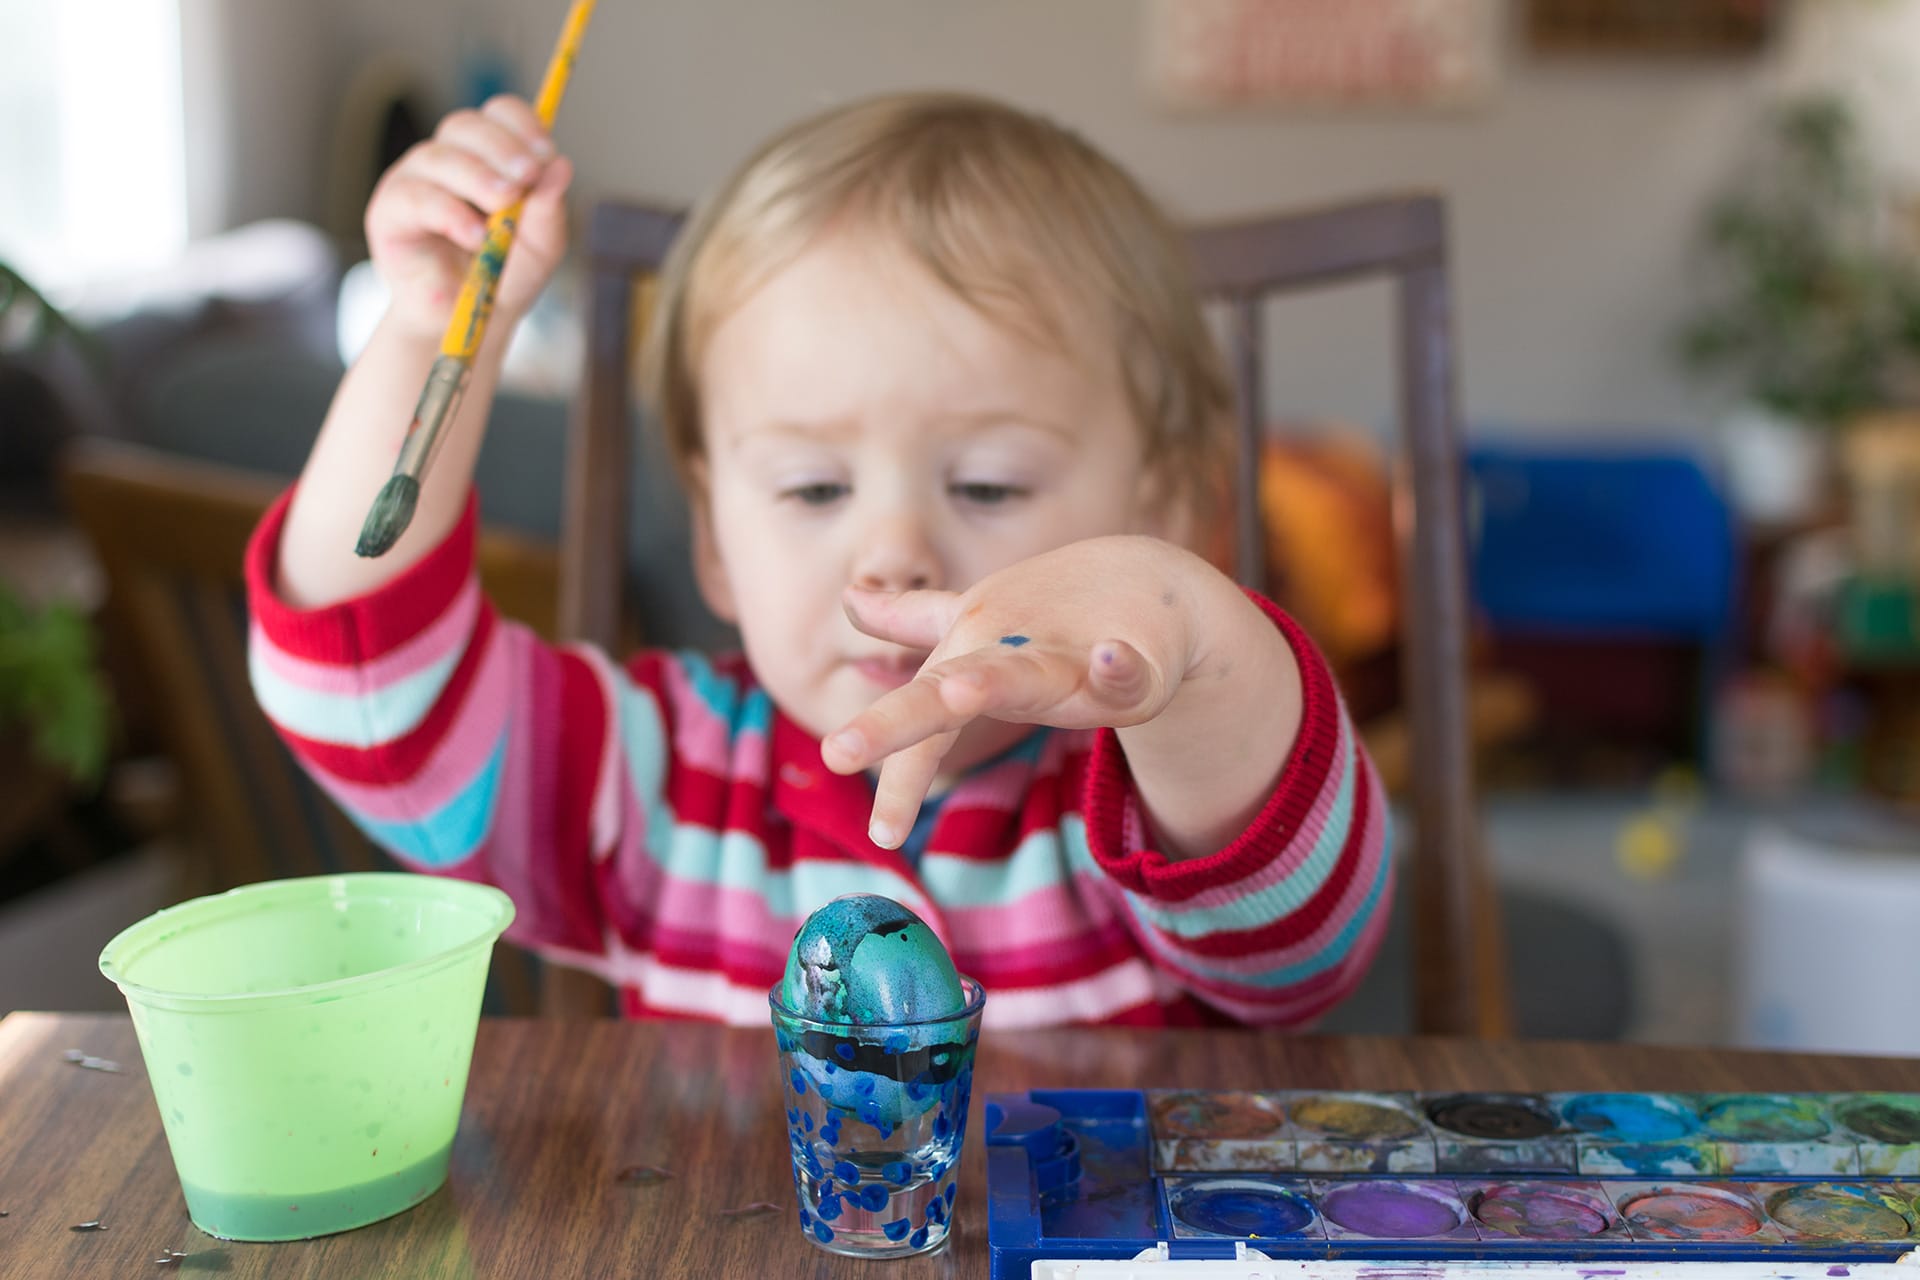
(1685,254)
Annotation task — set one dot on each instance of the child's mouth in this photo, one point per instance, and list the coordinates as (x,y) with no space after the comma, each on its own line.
(889,672)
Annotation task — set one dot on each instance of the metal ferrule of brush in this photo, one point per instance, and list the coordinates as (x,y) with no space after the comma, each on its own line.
(438,399)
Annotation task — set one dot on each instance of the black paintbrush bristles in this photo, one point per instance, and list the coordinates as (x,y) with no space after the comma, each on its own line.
(391,514)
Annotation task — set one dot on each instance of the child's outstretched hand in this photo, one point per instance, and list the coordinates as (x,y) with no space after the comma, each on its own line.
(428,214)
(1098,633)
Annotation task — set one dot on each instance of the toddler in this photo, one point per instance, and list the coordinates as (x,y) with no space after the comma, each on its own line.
(935,375)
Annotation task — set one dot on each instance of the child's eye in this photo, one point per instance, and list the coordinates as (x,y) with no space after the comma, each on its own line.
(987,495)
(821,494)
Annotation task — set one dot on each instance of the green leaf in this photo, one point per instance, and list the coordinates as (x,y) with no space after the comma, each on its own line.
(50,685)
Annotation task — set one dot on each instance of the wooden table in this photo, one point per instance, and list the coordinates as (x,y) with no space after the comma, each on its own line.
(555,1110)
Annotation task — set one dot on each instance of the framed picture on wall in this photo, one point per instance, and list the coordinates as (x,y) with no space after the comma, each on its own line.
(1363,53)
(1654,27)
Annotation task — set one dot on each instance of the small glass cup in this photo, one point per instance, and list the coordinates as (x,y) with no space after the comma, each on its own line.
(875,1117)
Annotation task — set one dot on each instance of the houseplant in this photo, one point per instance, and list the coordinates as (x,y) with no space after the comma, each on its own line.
(1813,307)
(50,686)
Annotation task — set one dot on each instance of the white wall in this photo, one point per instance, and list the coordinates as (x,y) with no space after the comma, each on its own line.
(1575,192)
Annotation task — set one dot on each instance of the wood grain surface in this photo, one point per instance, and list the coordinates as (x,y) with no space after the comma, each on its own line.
(555,1111)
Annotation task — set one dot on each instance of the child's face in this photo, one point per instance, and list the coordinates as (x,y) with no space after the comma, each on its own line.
(864,425)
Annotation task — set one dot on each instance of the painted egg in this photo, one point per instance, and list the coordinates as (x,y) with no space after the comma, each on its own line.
(866,959)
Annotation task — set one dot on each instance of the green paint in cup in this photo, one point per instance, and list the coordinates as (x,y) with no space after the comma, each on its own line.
(308,1043)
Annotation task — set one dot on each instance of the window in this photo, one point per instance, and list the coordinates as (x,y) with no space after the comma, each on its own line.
(91,138)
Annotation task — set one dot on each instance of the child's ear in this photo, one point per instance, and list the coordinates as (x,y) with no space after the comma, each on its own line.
(709,570)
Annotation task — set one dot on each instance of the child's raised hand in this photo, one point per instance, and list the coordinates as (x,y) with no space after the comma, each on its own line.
(428,214)
(1094,634)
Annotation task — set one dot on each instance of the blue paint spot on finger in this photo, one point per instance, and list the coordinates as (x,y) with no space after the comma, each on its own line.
(1013,641)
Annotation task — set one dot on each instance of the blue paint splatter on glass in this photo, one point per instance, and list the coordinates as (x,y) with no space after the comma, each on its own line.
(897,1172)
(897,1229)
(829,1207)
(873,1197)
(918,1239)
(847,1172)
(822,1232)
(844,1050)
(799,1081)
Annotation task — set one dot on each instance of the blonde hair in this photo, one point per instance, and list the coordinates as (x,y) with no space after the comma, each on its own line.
(1021,218)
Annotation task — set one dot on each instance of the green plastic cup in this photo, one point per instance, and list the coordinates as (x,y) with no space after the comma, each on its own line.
(308,1043)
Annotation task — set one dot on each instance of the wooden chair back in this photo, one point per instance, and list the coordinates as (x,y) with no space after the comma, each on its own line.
(1459,978)
(170,534)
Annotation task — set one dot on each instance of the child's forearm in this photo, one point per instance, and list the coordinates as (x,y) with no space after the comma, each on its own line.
(354,455)
(1206,765)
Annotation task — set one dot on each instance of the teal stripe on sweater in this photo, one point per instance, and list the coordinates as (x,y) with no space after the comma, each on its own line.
(360,719)
(451,834)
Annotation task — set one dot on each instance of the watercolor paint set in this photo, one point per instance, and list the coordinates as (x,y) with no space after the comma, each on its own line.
(1114,1174)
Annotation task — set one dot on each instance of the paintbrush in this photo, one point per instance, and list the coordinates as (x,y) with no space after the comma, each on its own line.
(392,510)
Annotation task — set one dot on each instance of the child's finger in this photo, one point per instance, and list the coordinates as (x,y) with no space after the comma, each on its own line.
(518,115)
(916,619)
(897,720)
(904,780)
(413,205)
(543,222)
(463,173)
(507,151)
(1120,675)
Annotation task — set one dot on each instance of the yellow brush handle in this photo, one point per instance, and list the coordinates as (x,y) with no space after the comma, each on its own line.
(474,307)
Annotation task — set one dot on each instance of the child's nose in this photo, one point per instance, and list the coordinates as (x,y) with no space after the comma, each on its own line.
(896,554)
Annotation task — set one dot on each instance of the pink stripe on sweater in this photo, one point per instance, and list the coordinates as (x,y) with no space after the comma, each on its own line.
(1300,846)
(458,757)
(1358,887)
(1294,1004)
(702,740)
(512,850)
(1058,912)
(447,634)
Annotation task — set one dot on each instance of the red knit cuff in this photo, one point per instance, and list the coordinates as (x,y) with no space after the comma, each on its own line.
(1112,805)
(365,626)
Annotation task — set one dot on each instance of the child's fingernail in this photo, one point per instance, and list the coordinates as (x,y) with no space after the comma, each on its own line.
(543,146)
(882,834)
(522,167)
(846,742)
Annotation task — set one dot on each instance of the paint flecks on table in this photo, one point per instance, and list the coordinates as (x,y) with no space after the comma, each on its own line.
(642,1175)
(81,1058)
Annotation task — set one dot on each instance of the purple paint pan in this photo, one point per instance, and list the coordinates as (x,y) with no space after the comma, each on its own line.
(1393,1209)
(1543,1210)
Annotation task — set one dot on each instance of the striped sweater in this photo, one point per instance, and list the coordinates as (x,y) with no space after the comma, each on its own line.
(663,825)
